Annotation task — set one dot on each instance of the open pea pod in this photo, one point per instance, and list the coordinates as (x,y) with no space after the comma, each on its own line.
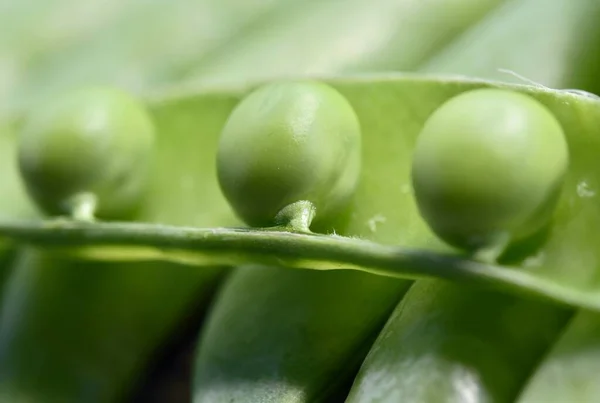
(383,209)
(332,62)
(392,110)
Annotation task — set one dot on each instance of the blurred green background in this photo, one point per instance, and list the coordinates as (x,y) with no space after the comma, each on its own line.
(47,46)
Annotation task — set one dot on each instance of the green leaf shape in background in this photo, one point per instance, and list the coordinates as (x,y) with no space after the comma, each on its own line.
(325,37)
(554,43)
(65,44)
(52,46)
(391,110)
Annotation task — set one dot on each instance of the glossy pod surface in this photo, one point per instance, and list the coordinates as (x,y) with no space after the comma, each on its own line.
(304,348)
(451,344)
(94,144)
(287,142)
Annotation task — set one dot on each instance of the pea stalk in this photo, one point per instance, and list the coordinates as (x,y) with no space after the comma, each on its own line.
(206,247)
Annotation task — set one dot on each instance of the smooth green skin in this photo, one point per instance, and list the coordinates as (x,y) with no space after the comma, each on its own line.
(287,142)
(569,372)
(489,164)
(449,344)
(287,336)
(96,141)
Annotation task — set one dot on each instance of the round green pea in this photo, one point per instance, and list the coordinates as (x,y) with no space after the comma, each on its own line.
(287,142)
(488,166)
(90,148)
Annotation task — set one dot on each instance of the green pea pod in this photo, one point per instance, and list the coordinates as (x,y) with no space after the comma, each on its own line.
(380,212)
(569,373)
(73,331)
(445,343)
(289,336)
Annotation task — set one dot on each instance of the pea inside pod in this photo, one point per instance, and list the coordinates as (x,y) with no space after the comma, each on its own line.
(488,168)
(289,142)
(87,154)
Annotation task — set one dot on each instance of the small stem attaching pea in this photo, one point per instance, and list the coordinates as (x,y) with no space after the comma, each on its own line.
(297,216)
(83,206)
(494,249)
(266,160)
